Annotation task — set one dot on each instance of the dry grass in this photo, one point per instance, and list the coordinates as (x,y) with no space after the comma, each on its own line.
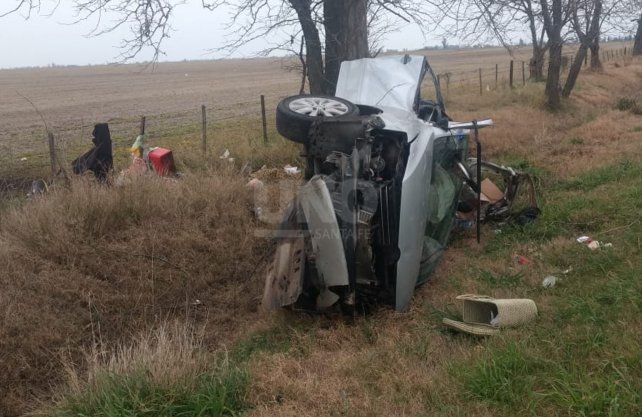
(173,343)
(93,263)
(90,266)
(137,376)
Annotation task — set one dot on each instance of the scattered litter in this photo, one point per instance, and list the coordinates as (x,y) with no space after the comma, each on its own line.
(521,260)
(290,170)
(583,239)
(38,188)
(593,244)
(567,270)
(226,155)
(23,159)
(139,149)
(490,192)
(479,317)
(271,174)
(162,160)
(98,159)
(255,184)
(549,281)
(497,231)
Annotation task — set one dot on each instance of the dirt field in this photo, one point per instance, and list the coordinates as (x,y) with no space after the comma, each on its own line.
(71,99)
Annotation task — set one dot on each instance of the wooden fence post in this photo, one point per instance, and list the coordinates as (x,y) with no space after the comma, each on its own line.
(52,152)
(496,75)
(481,87)
(447,84)
(510,76)
(142,125)
(204,130)
(264,119)
(523,73)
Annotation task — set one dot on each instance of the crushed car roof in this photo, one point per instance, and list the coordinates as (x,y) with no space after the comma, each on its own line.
(385,82)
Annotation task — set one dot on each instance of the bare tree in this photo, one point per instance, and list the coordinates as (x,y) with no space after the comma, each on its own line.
(478,20)
(637,44)
(586,18)
(624,17)
(554,17)
(26,6)
(332,29)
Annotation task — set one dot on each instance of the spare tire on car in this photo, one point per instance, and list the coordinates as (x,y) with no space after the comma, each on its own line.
(295,114)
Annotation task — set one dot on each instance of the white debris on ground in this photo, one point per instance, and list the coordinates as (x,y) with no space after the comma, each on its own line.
(290,170)
(593,244)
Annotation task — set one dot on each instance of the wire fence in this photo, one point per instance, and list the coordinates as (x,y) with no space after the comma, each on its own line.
(513,73)
(210,127)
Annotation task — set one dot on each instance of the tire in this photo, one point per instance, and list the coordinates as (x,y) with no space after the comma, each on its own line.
(293,118)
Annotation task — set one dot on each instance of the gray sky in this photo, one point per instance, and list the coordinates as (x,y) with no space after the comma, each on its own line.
(44,40)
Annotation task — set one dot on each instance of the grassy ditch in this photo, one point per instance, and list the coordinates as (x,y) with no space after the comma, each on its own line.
(88,268)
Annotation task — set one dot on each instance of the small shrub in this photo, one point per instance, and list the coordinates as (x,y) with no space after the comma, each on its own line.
(628,104)
(577,141)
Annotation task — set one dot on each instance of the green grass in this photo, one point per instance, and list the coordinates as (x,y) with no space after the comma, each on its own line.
(271,340)
(501,280)
(136,395)
(505,377)
(582,357)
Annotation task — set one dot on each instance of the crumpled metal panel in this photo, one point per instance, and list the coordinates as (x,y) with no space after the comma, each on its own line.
(414,212)
(324,231)
(284,282)
(385,82)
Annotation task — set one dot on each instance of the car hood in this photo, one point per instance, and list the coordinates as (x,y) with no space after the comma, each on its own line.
(387,82)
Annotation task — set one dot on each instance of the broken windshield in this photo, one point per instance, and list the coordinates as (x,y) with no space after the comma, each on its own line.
(389,81)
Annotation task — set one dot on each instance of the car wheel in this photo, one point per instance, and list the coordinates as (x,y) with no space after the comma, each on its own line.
(295,114)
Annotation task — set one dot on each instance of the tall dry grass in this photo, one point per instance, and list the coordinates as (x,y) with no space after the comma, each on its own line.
(89,263)
(164,371)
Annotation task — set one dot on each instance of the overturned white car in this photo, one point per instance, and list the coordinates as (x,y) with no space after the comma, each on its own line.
(385,170)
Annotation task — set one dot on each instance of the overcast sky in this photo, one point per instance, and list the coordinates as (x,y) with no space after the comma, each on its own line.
(43,40)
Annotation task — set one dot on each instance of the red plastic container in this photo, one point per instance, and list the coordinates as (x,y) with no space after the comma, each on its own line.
(163,161)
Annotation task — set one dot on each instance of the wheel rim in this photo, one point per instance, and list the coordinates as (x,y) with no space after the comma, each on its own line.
(318,106)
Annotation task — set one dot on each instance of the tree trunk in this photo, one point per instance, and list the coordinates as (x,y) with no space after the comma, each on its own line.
(537,63)
(314,54)
(552,90)
(346,36)
(553,24)
(574,72)
(596,63)
(637,46)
